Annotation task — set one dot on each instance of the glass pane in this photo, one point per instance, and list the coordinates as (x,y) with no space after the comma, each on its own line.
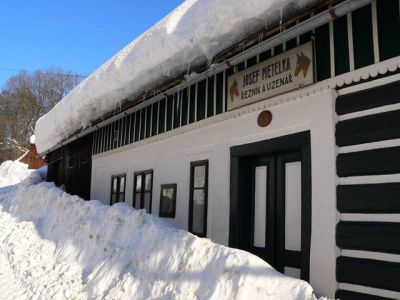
(137,201)
(115,185)
(148,182)
(121,197)
(260,206)
(293,206)
(138,183)
(199,176)
(147,202)
(198,211)
(122,185)
(113,198)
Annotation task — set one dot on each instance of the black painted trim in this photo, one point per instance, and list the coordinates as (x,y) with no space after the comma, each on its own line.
(370,162)
(369,198)
(142,191)
(287,143)
(367,99)
(368,272)
(372,128)
(118,197)
(348,295)
(193,165)
(369,236)
(161,213)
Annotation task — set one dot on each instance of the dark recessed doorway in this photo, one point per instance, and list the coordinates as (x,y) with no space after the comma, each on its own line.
(270,212)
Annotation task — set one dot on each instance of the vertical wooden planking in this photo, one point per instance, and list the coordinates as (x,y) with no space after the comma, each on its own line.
(137,125)
(388,28)
(210,97)
(133,132)
(375,33)
(148,121)
(322,52)
(192,104)
(142,123)
(342,64)
(219,92)
(195,101)
(180,93)
(332,49)
(161,117)
(94,143)
(169,109)
(154,118)
(350,41)
(363,43)
(215,94)
(129,129)
(227,73)
(185,106)
(201,99)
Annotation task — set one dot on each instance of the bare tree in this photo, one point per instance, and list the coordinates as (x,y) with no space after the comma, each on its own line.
(25,98)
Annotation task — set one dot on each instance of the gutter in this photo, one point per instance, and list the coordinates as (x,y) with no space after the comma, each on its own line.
(322,18)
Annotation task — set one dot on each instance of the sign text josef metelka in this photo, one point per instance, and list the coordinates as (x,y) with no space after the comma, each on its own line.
(282,73)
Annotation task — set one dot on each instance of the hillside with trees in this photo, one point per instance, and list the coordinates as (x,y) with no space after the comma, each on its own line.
(25,98)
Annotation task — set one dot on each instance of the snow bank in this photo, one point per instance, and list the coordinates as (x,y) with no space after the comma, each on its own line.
(193,33)
(61,247)
(12,172)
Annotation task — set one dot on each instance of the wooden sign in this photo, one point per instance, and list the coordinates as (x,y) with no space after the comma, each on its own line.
(282,73)
(264,118)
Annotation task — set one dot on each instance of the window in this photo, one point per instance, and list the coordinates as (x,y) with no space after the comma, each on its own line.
(117,189)
(167,200)
(142,191)
(198,198)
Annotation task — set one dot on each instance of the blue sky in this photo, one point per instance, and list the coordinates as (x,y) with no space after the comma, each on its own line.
(76,35)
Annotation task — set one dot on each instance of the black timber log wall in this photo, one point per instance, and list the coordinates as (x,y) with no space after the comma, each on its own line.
(363,197)
(71,166)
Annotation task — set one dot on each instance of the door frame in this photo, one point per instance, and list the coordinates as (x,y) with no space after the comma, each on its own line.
(239,223)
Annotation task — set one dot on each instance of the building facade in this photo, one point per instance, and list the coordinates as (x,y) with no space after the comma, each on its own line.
(292,152)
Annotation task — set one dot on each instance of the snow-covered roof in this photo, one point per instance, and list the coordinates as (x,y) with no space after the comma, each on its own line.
(192,34)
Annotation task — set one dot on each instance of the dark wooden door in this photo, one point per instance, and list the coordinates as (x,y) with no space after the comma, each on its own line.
(280,213)
(270,208)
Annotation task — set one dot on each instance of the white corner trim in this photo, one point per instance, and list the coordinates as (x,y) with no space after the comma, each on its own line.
(370,179)
(372,255)
(369,112)
(395,218)
(370,146)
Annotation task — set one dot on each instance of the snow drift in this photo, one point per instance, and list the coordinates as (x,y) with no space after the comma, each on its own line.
(12,172)
(61,247)
(192,34)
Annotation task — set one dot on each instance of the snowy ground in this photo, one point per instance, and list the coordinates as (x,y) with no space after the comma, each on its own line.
(57,246)
(13,289)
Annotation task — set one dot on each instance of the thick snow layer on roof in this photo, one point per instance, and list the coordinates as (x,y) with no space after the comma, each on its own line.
(62,247)
(193,33)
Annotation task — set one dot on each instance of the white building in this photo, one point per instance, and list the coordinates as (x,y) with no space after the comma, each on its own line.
(285,144)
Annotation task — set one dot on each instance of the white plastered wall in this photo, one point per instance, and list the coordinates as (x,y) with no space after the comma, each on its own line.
(170,159)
